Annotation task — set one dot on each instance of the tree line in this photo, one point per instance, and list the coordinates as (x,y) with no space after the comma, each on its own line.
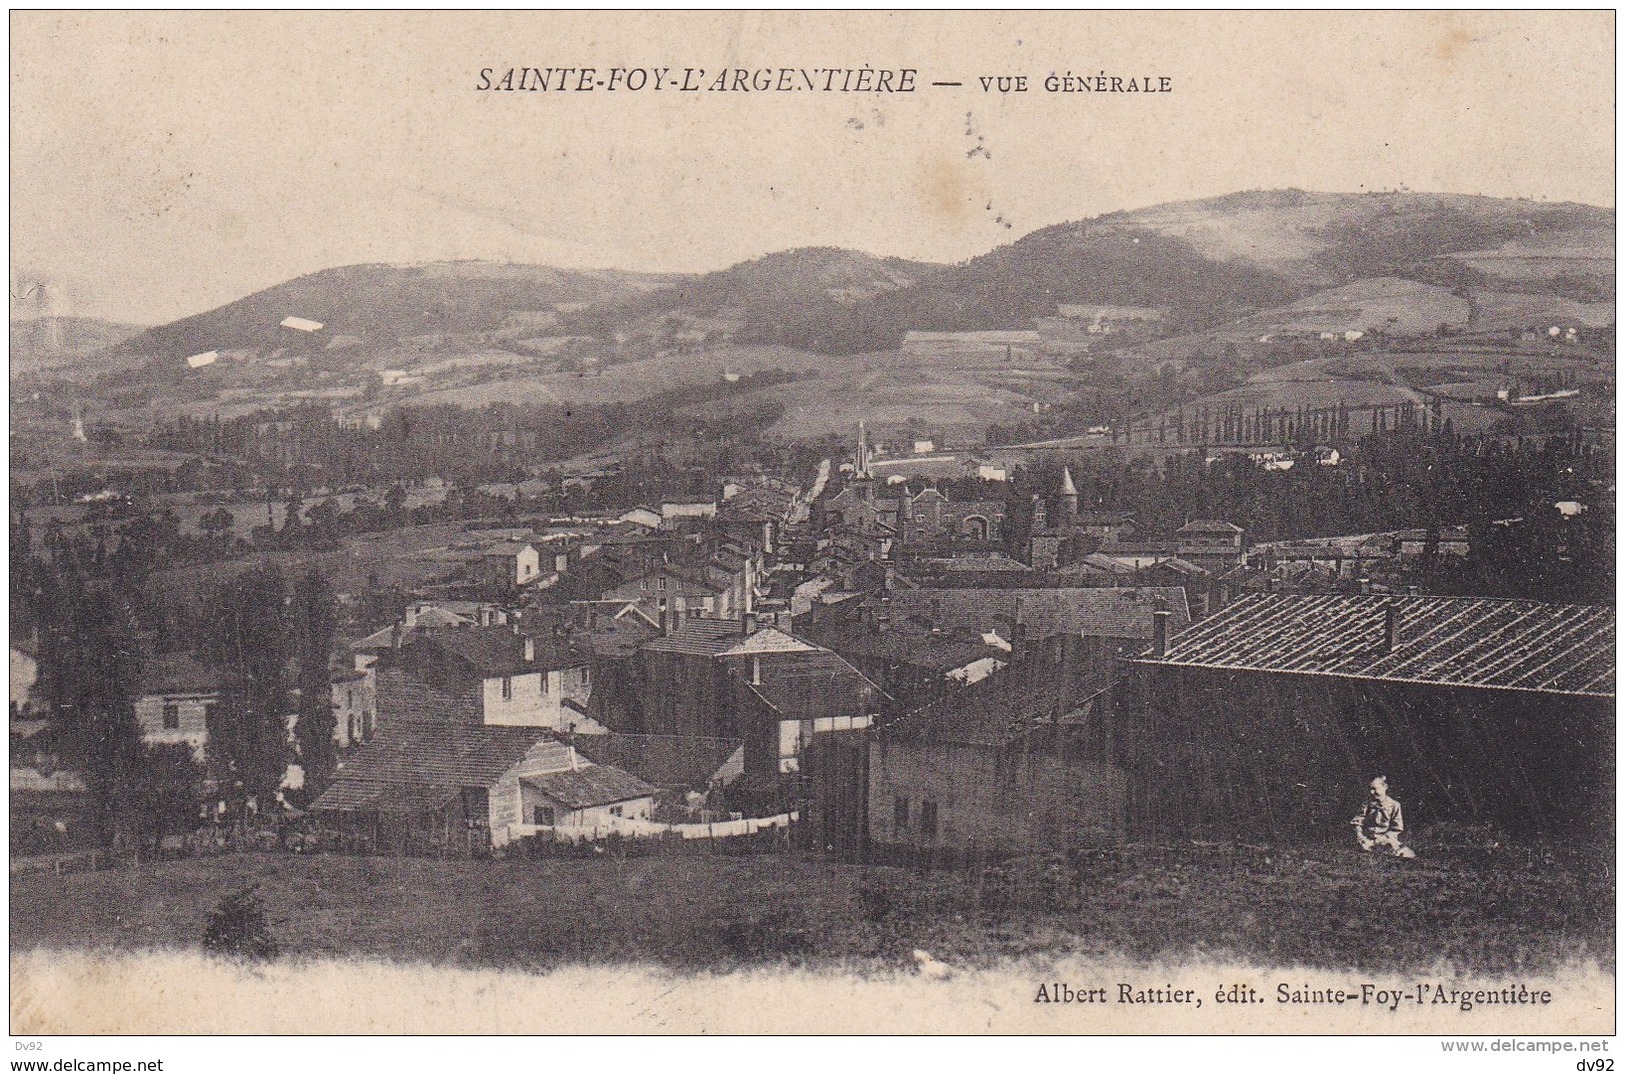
(266,639)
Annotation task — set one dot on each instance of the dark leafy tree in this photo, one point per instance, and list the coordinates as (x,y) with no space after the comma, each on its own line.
(314,620)
(165,792)
(88,681)
(247,639)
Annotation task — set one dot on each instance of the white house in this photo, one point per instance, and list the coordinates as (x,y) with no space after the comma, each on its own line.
(487,675)
(431,774)
(176,695)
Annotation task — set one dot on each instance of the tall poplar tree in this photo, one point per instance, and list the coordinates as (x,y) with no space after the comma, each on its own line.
(247,639)
(314,615)
(88,679)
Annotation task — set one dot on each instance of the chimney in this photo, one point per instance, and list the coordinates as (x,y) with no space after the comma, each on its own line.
(1412,591)
(575,762)
(1365,587)
(1159,633)
(530,649)
(747,625)
(1390,627)
(395,636)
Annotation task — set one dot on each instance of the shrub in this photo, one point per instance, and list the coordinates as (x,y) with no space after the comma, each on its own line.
(238,927)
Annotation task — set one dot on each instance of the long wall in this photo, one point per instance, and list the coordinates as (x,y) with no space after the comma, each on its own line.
(1288,757)
(989,799)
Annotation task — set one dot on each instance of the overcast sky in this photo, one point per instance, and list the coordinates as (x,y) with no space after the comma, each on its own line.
(163,164)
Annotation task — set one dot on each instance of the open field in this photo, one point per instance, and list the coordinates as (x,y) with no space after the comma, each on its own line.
(1482,911)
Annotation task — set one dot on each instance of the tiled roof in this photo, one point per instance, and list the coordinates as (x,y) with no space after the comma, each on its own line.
(177,673)
(1099,611)
(1099,562)
(906,642)
(617,636)
(992,562)
(698,637)
(497,650)
(767,640)
(663,760)
(593,785)
(494,650)
(806,685)
(995,711)
(410,799)
(1449,641)
(1181,566)
(433,754)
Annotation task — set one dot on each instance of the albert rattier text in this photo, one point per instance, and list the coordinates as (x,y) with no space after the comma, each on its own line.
(1362,994)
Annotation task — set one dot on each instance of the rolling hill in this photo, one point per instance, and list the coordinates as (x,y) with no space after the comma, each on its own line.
(379,303)
(1222,275)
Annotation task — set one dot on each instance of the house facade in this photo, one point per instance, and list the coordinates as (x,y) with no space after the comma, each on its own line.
(486,675)
(177,694)
(465,787)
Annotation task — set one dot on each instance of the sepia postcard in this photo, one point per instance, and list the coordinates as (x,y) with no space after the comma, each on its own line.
(783,522)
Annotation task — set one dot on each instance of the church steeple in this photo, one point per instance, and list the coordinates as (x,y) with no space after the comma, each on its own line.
(1069,495)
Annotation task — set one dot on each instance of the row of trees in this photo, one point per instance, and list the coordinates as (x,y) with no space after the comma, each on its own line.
(1504,492)
(268,641)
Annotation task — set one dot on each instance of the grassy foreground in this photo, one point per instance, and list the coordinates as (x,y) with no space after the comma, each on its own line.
(1481,912)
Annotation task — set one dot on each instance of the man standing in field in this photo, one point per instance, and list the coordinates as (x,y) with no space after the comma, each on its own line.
(1381,823)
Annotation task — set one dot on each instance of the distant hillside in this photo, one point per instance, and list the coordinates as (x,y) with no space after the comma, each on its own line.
(382,303)
(813,298)
(1204,262)
(1227,286)
(62,346)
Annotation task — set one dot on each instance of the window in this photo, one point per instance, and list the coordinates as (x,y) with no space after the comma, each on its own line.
(586,677)
(928,819)
(172,716)
(507,688)
(900,815)
(662,582)
(615,811)
(543,815)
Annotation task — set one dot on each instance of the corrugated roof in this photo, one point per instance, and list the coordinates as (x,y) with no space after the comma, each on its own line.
(1092,611)
(1448,641)
(433,754)
(593,785)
